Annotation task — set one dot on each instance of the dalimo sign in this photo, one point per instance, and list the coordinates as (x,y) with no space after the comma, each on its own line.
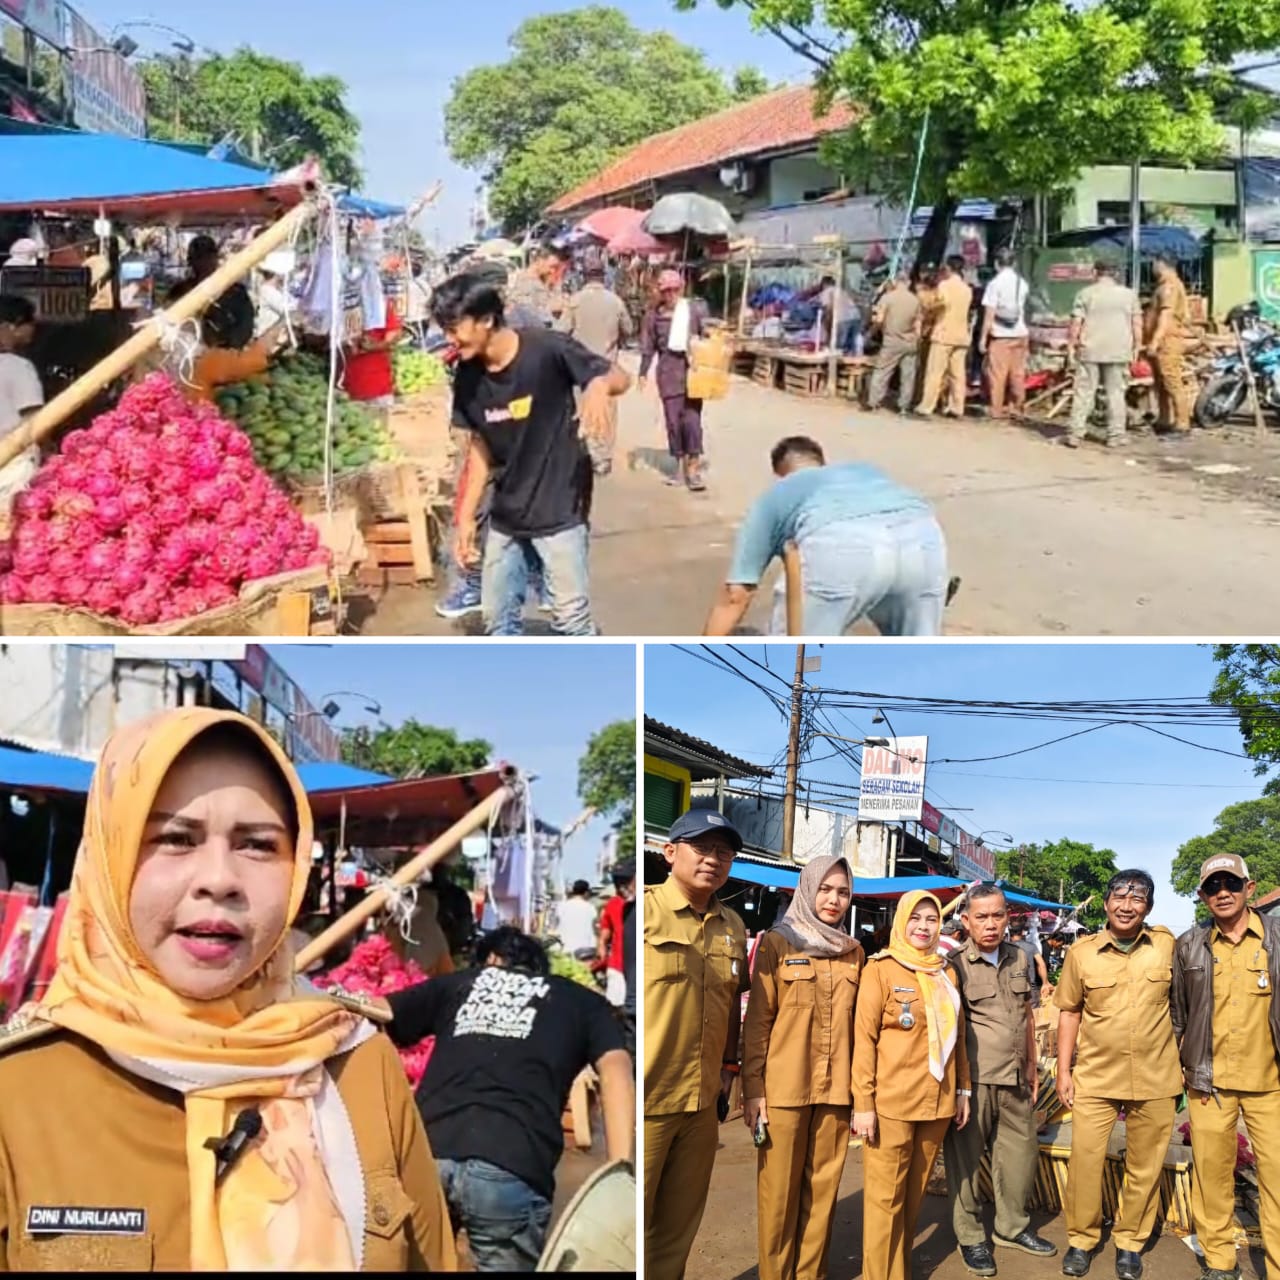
(893,781)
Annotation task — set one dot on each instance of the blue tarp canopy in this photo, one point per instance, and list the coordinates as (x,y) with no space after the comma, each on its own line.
(362,207)
(61,170)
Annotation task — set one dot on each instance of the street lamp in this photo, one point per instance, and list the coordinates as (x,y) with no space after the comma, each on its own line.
(182,42)
(881,718)
(980,842)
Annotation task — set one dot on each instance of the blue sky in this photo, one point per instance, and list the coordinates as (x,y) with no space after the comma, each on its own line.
(1122,788)
(399,58)
(538,704)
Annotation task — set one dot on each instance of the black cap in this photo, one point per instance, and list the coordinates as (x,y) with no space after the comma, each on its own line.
(625,870)
(697,822)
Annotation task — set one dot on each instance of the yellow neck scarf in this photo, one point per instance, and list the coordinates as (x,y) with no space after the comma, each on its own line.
(941,999)
(264,1044)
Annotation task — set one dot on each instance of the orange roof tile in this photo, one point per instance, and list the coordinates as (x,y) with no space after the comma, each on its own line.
(774,122)
(1267,899)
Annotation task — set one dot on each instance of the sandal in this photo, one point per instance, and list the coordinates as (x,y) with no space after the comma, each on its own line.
(695,481)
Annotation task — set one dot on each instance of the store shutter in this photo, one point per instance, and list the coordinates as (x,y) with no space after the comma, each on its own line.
(662,798)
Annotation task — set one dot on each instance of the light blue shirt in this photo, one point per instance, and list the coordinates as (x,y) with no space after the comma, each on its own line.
(811,499)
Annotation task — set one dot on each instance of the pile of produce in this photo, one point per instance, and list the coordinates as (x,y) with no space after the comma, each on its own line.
(563,965)
(374,969)
(155,513)
(417,371)
(284,411)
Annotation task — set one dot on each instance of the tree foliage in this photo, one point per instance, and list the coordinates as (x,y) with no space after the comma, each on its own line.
(1061,871)
(579,88)
(607,780)
(277,111)
(1250,829)
(1248,680)
(1021,95)
(414,750)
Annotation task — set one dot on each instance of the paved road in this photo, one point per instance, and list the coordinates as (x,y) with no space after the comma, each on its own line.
(1047,542)
(726,1245)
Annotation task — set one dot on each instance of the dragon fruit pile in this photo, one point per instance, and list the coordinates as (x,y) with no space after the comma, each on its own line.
(374,969)
(155,513)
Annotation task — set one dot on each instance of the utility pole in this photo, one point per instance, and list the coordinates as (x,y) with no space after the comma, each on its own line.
(793,761)
(1022,864)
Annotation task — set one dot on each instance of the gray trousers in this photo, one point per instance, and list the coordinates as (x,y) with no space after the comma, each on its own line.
(899,355)
(1000,1121)
(1114,379)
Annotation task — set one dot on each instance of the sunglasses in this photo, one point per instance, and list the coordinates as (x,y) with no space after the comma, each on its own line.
(1216,883)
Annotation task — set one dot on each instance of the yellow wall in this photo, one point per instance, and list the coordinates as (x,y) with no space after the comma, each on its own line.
(665,769)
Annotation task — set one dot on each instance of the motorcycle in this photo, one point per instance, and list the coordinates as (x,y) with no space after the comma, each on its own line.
(1224,394)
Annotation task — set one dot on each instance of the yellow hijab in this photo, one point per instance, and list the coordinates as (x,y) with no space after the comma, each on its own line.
(941,999)
(282,1207)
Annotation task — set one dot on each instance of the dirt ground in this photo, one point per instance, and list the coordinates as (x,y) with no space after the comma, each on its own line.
(726,1245)
(1047,541)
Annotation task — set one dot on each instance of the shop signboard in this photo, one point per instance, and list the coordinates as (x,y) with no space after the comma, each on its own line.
(1266,283)
(1261,179)
(974,862)
(42,18)
(253,667)
(949,831)
(60,295)
(108,96)
(893,781)
(225,680)
(930,818)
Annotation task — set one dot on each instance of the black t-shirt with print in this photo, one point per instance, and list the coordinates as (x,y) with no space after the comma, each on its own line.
(509,1046)
(527,415)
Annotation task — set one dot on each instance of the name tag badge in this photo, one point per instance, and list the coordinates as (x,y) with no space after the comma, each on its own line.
(791,962)
(62,1219)
(733,968)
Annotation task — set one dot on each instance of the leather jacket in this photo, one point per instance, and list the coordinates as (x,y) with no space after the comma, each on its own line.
(1191,998)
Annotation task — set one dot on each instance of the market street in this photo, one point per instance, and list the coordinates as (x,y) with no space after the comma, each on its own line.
(725,1248)
(1047,542)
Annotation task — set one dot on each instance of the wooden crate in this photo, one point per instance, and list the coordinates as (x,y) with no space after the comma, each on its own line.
(804,378)
(851,377)
(401,551)
(765,372)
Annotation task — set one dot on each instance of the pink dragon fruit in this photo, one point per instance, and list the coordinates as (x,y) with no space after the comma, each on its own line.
(127,579)
(13,589)
(42,588)
(136,499)
(110,515)
(171,512)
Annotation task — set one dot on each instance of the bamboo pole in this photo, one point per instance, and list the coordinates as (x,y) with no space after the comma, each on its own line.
(746,293)
(436,851)
(833,365)
(123,358)
(792,568)
(1259,423)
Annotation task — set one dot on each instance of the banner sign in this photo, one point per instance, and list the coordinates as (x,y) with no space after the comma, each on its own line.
(974,862)
(1261,179)
(930,818)
(1266,283)
(949,831)
(42,18)
(60,295)
(893,781)
(108,95)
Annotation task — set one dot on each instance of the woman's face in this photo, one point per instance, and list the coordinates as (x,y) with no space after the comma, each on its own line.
(833,896)
(210,897)
(923,926)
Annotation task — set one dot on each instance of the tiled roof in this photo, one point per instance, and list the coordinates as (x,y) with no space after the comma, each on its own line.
(1267,899)
(774,122)
(737,767)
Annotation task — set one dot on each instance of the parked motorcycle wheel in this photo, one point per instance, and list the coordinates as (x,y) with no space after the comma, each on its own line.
(1220,398)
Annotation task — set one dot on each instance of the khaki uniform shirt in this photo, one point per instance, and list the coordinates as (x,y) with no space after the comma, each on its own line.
(996,1004)
(695,970)
(78,1131)
(891,1063)
(1170,296)
(1107,310)
(929,309)
(897,313)
(1244,1052)
(598,319)
(956,300)
(1126,1048)
(798,1036)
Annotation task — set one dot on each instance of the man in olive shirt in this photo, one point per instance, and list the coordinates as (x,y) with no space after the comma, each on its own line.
(1106,333)
(949,341)
(1226,1014)
(995,985)
(1113,997)
(695,973)
(897,315)
(1167,335)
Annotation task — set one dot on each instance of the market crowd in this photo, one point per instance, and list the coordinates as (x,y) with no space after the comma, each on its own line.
(923,1047)
(180,1099)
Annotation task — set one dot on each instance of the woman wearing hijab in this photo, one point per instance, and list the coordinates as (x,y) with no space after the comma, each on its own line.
(174,1021)
(910,1080)
(668,328)
(795,1071)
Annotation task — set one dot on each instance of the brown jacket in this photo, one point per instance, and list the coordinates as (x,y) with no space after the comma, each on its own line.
(798,1037)
(891,1063)
(996,1007)
(76,1130)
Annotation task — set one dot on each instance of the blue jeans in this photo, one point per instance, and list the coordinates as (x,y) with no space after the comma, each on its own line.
(505,1219)
(891,569)
(508,564)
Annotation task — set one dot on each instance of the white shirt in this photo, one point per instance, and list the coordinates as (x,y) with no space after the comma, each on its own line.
(20,390)
(1007,292)
(273,306)
(577,920)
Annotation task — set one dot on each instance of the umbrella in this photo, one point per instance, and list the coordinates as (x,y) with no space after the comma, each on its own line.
(690,213)
(498,249)
(636,240)
(608,224)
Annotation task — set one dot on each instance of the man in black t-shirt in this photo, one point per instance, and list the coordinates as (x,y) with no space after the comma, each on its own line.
(510,1041)
(514,392)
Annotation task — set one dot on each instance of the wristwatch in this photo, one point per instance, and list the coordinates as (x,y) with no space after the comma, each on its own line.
(964,1093)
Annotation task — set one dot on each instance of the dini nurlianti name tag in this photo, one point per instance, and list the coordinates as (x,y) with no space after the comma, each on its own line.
(74,1220)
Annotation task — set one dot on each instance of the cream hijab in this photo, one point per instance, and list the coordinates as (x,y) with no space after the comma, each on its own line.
(802,926)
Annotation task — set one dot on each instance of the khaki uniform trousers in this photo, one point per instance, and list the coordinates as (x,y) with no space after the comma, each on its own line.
(952,365)
(1213,1149)
(1002,1122)
(895,1173)
(1172,394)
(1115,382)
(1007,373)
(899,355)
(798,1175)
(679,1153)
(1148,1128)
